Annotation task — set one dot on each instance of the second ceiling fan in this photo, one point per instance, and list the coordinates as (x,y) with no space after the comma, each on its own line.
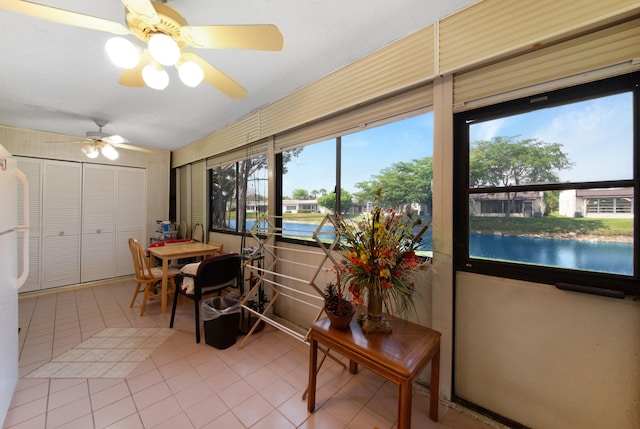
(167,33)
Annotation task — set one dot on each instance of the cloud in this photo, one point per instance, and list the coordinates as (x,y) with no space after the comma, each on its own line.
(485,131)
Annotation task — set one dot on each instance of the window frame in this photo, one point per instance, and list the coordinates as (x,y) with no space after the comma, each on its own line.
(578,280)
(337,139)
(236,167)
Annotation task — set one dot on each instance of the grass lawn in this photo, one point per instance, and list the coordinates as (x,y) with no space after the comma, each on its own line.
(553,226)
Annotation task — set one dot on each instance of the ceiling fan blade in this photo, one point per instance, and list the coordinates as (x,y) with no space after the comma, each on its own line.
(257,37)
(115,139)
(63,16)
(131,147)
(143,8)
(133,77)
(215,77)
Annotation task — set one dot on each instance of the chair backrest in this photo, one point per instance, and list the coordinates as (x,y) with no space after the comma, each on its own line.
(140,261)
(219,270)
(183,231)
(219,245)
(198,233)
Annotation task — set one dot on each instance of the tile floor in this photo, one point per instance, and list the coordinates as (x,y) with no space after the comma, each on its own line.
(182,384)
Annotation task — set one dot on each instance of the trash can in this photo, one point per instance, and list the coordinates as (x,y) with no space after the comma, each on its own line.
(221,317)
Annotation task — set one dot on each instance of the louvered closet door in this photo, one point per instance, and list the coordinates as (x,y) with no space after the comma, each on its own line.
(32,169)
(98,222)
(61,204)
(131,210)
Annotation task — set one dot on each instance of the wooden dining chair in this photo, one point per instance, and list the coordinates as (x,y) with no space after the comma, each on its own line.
(214,274)
(147,275)
(220,247)
(198,233)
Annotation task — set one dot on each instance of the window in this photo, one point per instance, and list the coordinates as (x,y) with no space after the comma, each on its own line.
(241,184)
(546,187)
(395,157)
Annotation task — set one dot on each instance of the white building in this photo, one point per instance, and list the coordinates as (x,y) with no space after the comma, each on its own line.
(597,203)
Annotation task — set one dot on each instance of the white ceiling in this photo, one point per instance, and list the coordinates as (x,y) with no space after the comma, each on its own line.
(57,78)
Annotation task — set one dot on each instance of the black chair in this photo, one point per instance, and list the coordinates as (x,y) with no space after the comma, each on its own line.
(214,274)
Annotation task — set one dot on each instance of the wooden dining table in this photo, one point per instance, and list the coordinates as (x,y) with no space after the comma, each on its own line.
(169,252)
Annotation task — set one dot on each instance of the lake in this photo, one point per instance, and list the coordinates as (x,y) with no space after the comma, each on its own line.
(602,256)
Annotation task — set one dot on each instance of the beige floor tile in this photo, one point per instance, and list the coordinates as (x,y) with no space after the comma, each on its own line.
(69,412)
(114,413)
(163,379)
(160,412)
(227,421)
(252,410)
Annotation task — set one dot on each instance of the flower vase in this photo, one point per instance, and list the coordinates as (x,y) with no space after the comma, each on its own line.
(375,321)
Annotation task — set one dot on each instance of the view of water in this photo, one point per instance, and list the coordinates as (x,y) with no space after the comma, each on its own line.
(599,256)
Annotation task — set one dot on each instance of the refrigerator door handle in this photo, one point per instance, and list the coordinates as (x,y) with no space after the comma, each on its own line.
(24,228)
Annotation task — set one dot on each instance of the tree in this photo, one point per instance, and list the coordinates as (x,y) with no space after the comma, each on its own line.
(329,201)
(225,182)
(300,194)
(402,184)
(506,161)
(222,190)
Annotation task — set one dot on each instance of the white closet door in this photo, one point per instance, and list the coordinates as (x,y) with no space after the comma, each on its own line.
(98,222)
(131,214)
(61,205)
(98,257)
(32,169)
(124,259)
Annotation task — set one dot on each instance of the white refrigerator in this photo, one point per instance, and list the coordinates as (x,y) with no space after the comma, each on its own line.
(10,231)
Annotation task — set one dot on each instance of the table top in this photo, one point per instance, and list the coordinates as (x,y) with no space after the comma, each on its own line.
(404,351)
(182,250)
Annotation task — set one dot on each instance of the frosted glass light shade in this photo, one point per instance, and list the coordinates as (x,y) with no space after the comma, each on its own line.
(164,49)
(90,150)
(155,76)
(110,152)
(190,73)
(122,52)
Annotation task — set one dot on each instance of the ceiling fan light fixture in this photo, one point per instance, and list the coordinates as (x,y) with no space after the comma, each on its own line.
(110,152)
(122,52)
(164,49)
(190,73)
(90,150)
(155,76)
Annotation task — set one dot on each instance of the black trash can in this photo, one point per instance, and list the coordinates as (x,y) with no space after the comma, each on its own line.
(221,317)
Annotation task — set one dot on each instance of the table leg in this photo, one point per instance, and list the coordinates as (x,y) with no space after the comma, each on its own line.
(165,286)
(434,395)
(313,362)
(405,393)
(353,367)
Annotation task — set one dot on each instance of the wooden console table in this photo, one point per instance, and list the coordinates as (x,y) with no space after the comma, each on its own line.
(399,357)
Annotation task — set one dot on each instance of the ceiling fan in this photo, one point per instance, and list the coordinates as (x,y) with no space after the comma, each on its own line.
(97,142)
(165,32)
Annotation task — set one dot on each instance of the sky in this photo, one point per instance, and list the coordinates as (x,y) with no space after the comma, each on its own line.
(364,154)
(597,135)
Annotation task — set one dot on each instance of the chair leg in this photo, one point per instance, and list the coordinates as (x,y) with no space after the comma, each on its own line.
(173,309)
(135,294)
(197,301)
(147,289)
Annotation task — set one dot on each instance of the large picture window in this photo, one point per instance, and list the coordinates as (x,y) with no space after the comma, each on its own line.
(343,174)
(547,187)
(238,194)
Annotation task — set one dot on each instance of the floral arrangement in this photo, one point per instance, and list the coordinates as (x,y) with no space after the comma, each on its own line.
(380,258)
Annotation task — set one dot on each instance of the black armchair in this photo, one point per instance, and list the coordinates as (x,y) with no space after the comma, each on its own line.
(213,275)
